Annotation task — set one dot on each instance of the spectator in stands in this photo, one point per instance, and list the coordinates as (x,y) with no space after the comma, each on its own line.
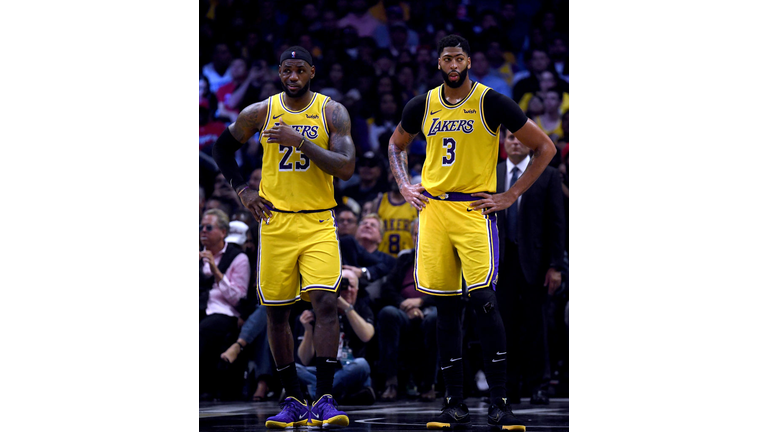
(383,123)
(396,215)
(405,78)
(537,61)
(217,71)
(254,336)
(531,252)
(385,64)
(547,82)
(256,49)
(207,97)
(407,320)
(516,29)
(346,220)
(224,277)
(557,48)
(368,237)
(498,62)
(214,203)
(551,122)
(224,193)
(370,167)
(352,383)
(535,107)
(254,180)
(209,130)
(481,73)
(360,19)
(427,76)
(231,95)
(395,18)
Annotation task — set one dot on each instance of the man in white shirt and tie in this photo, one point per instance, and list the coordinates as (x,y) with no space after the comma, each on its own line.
(531,253)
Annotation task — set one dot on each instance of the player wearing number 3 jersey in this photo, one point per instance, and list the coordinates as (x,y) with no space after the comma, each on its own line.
(457,227)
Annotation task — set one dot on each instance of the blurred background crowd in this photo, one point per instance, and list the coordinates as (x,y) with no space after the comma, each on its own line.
(372,56)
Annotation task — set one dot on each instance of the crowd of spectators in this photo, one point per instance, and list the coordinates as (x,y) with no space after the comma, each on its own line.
(373,57)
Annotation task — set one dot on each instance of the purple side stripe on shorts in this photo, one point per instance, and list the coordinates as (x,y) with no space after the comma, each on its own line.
(495,245)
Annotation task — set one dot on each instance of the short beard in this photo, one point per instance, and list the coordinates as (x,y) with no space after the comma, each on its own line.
(457,84)
(299,93)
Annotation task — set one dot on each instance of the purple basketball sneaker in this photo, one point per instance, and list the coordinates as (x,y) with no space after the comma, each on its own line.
(324,414)
(294,414)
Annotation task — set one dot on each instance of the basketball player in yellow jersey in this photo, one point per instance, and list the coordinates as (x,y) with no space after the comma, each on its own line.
(306,143)
(457,227)
(397,215)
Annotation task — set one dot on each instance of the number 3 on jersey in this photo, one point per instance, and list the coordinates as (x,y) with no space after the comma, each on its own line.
(287,166)
(450,147)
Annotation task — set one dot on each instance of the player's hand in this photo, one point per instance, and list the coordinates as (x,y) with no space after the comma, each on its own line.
(356,270)
(552,280)
(256,204)
(411,303)
(412,195)
(490,203)
(307,318)
(283,134)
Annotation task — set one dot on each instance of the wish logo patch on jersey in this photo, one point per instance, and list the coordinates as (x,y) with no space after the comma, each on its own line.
(466,126)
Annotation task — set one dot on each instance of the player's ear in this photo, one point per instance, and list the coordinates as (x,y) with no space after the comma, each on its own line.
(313,73)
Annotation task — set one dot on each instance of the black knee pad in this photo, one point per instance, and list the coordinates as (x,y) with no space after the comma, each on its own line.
(483,300)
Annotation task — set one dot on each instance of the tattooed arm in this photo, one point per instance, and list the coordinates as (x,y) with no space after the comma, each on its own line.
(250,120)
(398,163)
(339,159)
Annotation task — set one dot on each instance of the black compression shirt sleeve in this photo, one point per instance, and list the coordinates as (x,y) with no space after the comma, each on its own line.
(224,153)
(413,114)
(499,109)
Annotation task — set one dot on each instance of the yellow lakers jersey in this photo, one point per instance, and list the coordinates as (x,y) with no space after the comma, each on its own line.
(397,220)
(290,181)
(461,150)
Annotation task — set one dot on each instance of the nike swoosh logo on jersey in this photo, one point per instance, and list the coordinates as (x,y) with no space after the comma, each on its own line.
(444,368)
(498,353)
(283,368)
(495,361)
(453,359)
(323,220)
(433,113)
(470,209)
(274,117)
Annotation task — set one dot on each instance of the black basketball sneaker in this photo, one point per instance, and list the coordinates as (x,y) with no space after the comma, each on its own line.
(501,417)
(454,415)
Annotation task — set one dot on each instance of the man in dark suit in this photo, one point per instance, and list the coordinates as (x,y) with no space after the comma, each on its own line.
(531,253)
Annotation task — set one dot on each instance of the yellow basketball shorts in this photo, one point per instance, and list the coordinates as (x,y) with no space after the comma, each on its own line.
(298,253)
(455,241)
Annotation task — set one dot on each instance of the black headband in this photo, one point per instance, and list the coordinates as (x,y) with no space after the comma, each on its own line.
(298,53)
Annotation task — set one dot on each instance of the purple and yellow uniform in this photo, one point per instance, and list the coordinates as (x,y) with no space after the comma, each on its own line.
(462,153)
(300,238)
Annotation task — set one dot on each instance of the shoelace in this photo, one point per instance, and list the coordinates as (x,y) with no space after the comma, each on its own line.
(291,407)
